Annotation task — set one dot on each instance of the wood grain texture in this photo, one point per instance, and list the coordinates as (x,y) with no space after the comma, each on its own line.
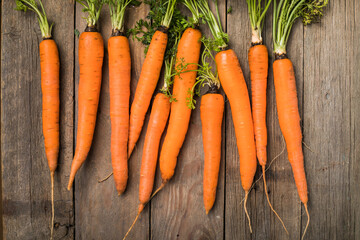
(326,60)
(330,123)
(95,203)
(25,174)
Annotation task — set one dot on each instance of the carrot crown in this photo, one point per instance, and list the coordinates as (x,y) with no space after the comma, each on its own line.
(285,14)
(24,5)
(169,13)
(206,75)
(144,29)
(194,9)
(221,39)
(93,9)
(117,12)
(257,14)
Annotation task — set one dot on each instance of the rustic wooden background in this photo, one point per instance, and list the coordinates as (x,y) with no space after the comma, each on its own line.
(326,58)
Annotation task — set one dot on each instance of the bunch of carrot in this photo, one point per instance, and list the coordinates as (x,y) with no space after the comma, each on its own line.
(177,42)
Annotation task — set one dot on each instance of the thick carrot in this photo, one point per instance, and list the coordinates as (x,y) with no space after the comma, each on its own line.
(289,120)
(91,54)
(234,85)
(211,112)
(149,77)
(119,86)
(258,63)
(188,53)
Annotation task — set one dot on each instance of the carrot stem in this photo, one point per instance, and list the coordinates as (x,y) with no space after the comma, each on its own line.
(246,212)
(268,200)
(308,221)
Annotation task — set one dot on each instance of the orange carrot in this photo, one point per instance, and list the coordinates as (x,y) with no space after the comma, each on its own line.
(50,68)
(188,53)
(258,63)
(149,77)
(119,87)
(158,119)
(211,112)
(285,14)
(289,120)
(91,54)
(234,85)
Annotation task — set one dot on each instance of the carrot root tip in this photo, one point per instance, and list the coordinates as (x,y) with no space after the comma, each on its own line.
(246,212)
(52,173)
(268,200)
(308,221)
(105,178)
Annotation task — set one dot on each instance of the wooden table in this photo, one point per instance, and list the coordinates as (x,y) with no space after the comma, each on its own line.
(326,58)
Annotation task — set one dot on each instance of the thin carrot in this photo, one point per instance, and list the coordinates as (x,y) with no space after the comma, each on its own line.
(149,77)
(119,87)
(50,67)
(258,62)
(285,14)
(91,54)
(234,85)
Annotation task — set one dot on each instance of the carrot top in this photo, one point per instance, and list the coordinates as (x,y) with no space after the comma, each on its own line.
(221,39)
(117,12)
(206,75)
(32,5)
(257,14)
(285,14)
(195,11)
(145,28)
(93,8)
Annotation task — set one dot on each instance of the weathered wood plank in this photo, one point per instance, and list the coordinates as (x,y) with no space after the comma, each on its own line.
(353,20)
(328,122)
(178,211)
(100,212)
(25,176)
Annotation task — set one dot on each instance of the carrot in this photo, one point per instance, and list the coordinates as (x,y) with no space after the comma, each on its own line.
(285,14)
(211,112)
(234,85)
(149,77)
(91,54)
(158,119)
(188,53)
(119,87)
(50,67)
(258,63)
